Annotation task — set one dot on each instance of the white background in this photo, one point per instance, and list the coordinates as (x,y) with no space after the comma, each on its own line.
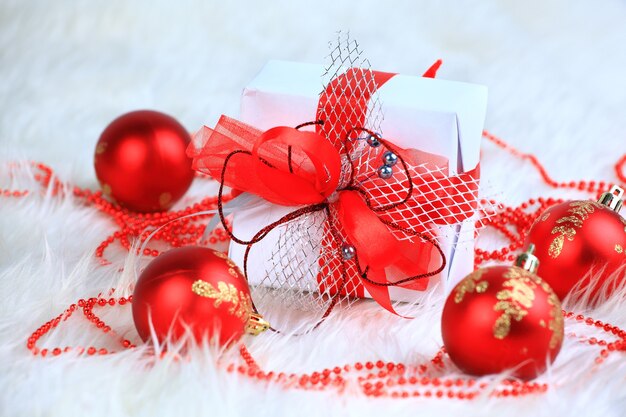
(556,77)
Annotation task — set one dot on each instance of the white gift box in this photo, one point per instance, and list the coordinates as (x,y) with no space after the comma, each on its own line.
(432,115)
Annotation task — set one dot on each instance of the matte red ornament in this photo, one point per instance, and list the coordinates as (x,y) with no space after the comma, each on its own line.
(141,161)
(503,318)
(578,241)
(192,288)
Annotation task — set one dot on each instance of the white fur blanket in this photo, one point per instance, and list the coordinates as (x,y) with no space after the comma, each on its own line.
(555,71)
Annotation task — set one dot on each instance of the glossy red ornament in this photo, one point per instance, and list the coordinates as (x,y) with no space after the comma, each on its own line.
(578,241)
(502,318)
(192,287)
(141,161)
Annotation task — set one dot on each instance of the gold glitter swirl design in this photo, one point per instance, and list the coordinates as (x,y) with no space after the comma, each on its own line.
(557,245)
(165,199)
(517,296)
(618,248)
(514,300)
(233,269)
(240,303)
(470,284)
(220,254)
(106,189)
(566,226)
(101,148)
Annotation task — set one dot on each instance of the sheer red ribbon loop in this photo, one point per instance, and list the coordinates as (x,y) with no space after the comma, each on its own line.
(308,176)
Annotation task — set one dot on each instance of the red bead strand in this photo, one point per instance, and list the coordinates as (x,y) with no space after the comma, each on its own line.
(131,225)
(522,217)
(374,379)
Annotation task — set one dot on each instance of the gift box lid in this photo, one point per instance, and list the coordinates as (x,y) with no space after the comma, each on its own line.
(438,116)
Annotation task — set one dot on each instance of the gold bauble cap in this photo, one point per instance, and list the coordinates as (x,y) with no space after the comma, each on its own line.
(256,324)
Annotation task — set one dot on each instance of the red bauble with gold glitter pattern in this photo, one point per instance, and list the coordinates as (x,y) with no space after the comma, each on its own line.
(502,318)
(141,161)
(578,241)
(192,288)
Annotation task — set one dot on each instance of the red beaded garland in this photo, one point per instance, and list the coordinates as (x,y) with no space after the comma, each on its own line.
(394,380)
(176,228)
(131,225)
(374,379)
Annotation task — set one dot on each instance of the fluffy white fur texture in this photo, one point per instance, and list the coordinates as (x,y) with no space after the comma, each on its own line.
(556,76)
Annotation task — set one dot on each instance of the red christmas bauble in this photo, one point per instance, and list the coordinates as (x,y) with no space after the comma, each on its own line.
(502,318)
(141,161)
(576,242)
(192,288)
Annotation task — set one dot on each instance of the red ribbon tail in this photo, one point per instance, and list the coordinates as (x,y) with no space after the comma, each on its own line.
(380,293)
(432,71)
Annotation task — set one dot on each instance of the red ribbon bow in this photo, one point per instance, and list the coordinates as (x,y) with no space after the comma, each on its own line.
(382,222)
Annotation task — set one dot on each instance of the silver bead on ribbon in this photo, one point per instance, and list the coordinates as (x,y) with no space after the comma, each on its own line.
(348,252)
(385,172)
(390,158)
(372,141)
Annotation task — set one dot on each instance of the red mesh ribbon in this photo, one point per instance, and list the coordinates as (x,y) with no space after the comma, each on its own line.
(387,222)
(349,92)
